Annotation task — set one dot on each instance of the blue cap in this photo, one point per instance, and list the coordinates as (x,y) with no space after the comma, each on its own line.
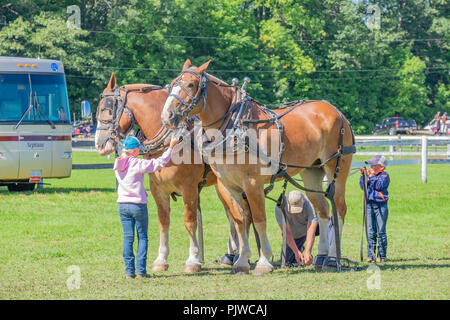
(131,143)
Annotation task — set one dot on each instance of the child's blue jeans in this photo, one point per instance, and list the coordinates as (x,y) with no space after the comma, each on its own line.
(134,215)
(377,215)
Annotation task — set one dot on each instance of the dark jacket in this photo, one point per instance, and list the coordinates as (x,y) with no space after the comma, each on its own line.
(377,187)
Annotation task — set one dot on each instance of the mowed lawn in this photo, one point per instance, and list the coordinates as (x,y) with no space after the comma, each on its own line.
(75,222)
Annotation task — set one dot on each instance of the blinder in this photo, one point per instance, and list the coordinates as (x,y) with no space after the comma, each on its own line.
(113,102)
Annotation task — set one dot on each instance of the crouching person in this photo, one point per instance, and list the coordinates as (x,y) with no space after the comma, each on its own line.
(301,226)
(132,201)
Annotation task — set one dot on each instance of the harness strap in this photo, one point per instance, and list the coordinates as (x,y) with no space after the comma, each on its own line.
(229,112)
(275,116)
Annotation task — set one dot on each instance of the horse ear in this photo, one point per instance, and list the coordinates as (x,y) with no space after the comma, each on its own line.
(112,82)
(204,66)
(187,64)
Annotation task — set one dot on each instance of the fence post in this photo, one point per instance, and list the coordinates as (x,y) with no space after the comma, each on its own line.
(391,152)
(424,159)
(448,150)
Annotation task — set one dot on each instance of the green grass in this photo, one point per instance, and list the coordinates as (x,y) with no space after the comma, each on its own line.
(75,222)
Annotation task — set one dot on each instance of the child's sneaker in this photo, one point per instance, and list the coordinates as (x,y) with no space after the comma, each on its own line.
(370,260)
(381,260)
(130,276)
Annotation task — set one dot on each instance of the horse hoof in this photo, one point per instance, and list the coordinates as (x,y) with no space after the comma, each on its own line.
(330,264)
(319,261)
(240,270)
(192,268)
(226,260)
(262,270)
(160,267)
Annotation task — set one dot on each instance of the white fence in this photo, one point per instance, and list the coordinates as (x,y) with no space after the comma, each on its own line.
(421,143)
(398,142)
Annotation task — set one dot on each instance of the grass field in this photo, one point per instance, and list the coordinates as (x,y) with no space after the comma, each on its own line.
(75,222)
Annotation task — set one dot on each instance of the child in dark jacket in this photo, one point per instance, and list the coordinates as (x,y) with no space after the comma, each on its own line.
(377,207)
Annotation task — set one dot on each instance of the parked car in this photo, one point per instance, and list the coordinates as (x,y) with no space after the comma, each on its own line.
(395,125)
(83,129)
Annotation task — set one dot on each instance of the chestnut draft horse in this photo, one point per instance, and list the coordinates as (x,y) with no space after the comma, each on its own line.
(314,135)
(142,104)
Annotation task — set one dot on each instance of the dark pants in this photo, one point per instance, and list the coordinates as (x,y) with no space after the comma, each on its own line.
(134,215)
(377,215)
(290,256)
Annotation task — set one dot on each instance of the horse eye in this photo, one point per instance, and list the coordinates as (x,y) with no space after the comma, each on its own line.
(190,85)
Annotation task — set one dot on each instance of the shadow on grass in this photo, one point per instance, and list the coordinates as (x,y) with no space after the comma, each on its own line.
(386,266)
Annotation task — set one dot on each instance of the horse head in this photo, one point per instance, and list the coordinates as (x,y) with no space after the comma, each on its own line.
(109,128)
(187,95)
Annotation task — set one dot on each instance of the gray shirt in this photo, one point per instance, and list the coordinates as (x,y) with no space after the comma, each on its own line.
(298,223)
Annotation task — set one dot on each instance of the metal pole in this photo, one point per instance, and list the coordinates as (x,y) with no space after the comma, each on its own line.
(424,159)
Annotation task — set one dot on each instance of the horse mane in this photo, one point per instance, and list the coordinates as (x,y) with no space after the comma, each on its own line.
(216,80)
(138,85)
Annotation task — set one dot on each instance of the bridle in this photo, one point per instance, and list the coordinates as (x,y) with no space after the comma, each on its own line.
(114,102)
(201,92)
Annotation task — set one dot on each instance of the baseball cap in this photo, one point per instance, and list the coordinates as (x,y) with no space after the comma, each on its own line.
(378,159)
(131,143)
(296,199)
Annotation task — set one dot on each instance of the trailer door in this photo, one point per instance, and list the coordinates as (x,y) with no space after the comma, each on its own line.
(9,153)
(36,151)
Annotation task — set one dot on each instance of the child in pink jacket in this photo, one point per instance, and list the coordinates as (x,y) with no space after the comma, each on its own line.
(132,200)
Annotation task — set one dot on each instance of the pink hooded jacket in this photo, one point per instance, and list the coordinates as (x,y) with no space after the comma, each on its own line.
(130,176)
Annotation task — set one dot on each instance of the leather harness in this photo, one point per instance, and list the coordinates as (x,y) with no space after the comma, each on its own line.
(236,111)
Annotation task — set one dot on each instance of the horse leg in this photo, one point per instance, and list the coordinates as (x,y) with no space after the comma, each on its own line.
(233,241)
(190,198)
(163,205)
(312,179)
(341,207)
(240,214)
(256,200)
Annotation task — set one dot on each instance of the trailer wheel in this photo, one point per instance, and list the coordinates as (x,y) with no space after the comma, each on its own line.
(21,187)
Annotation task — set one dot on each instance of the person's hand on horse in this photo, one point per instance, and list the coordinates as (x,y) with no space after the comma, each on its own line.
(173,142)
(364,171)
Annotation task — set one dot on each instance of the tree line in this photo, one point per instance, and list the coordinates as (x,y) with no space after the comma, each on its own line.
(371,59)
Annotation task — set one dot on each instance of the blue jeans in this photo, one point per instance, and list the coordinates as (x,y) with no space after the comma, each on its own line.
(377,215)
(290,256)
(134,215)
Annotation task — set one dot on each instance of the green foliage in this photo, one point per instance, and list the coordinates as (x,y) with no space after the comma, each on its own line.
(290,49)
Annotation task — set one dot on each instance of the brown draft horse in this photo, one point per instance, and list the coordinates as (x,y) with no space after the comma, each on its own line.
(311,135)
(182,179)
